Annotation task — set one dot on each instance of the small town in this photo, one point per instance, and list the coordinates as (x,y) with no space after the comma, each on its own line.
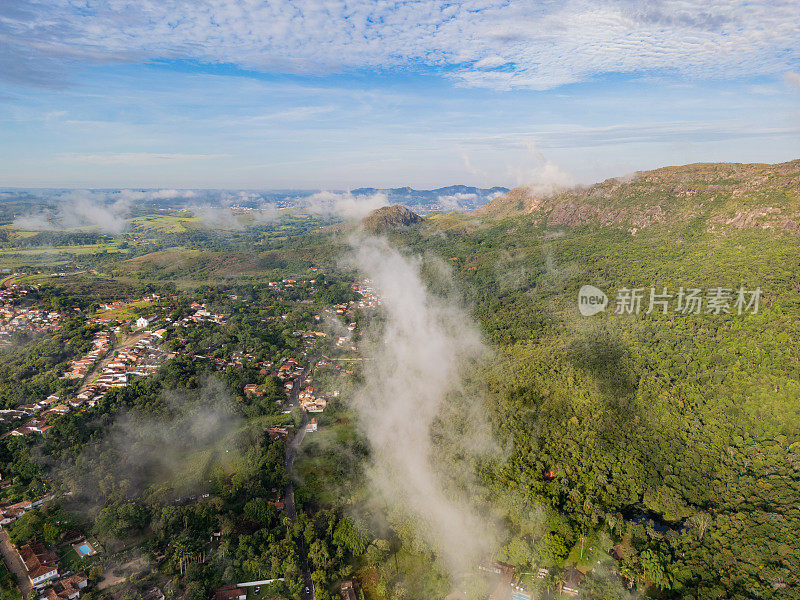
(124,350)
(20,320)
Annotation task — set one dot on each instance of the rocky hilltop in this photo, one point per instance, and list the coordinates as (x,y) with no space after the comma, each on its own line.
(390,217)
(718,195)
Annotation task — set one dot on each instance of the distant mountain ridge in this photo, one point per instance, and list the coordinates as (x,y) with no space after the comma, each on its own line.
(452,197)
(716,195)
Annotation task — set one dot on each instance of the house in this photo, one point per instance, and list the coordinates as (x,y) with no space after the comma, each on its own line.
(10,512)
(230,592)
(67,588)
(51,399)
(153,594)
(572,581)
(349,590)
(40,563)
(40,575)
(37,425)
(312,426)
(277,431)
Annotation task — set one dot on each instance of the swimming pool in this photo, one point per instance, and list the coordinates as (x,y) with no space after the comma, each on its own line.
(84,550)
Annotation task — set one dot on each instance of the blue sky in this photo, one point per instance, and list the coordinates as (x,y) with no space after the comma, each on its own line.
(335,95)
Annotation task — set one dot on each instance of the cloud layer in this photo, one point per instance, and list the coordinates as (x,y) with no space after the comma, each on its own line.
(488,43)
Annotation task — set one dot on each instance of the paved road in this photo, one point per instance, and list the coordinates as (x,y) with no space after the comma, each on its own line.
(288,492)
(14,564)
(126,343)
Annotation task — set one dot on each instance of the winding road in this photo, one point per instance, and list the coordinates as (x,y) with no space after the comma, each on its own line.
(288,493)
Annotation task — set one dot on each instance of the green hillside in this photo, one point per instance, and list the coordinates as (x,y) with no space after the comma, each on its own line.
(673,437)
(720,196)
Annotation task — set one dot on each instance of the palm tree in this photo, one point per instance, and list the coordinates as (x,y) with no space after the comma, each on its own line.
(560,582)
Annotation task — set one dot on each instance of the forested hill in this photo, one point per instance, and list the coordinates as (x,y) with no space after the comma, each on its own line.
(668,439)
(716,195)
(388,217)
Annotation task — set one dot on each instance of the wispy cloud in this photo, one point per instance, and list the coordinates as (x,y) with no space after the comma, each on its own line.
(135,158)
(491,43)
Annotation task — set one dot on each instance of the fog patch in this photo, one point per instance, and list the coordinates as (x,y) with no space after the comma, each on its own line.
(162,194)
(81,208)
(168,450)
(421,352)
(540,175)
(455,202)
(266,213)
(343,205)
(216,217)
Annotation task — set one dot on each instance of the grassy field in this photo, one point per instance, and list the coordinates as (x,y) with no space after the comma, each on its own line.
(79,250)
(127,312)
(163,223)
(10,260)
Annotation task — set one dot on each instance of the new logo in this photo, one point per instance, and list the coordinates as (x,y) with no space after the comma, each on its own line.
(591,300)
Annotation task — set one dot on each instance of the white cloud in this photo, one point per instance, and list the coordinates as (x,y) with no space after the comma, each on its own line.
(217,217)
(491,43)
(345,205)
(135,158)
(455,201)
(536,171)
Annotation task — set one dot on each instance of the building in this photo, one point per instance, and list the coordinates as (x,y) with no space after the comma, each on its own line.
(277,431)
(312,426)
(145,321)
(230,592)
(40,563)
(572,581)
(67,588)
(349,590)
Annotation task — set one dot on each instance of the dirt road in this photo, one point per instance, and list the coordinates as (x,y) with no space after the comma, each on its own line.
(14,564)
